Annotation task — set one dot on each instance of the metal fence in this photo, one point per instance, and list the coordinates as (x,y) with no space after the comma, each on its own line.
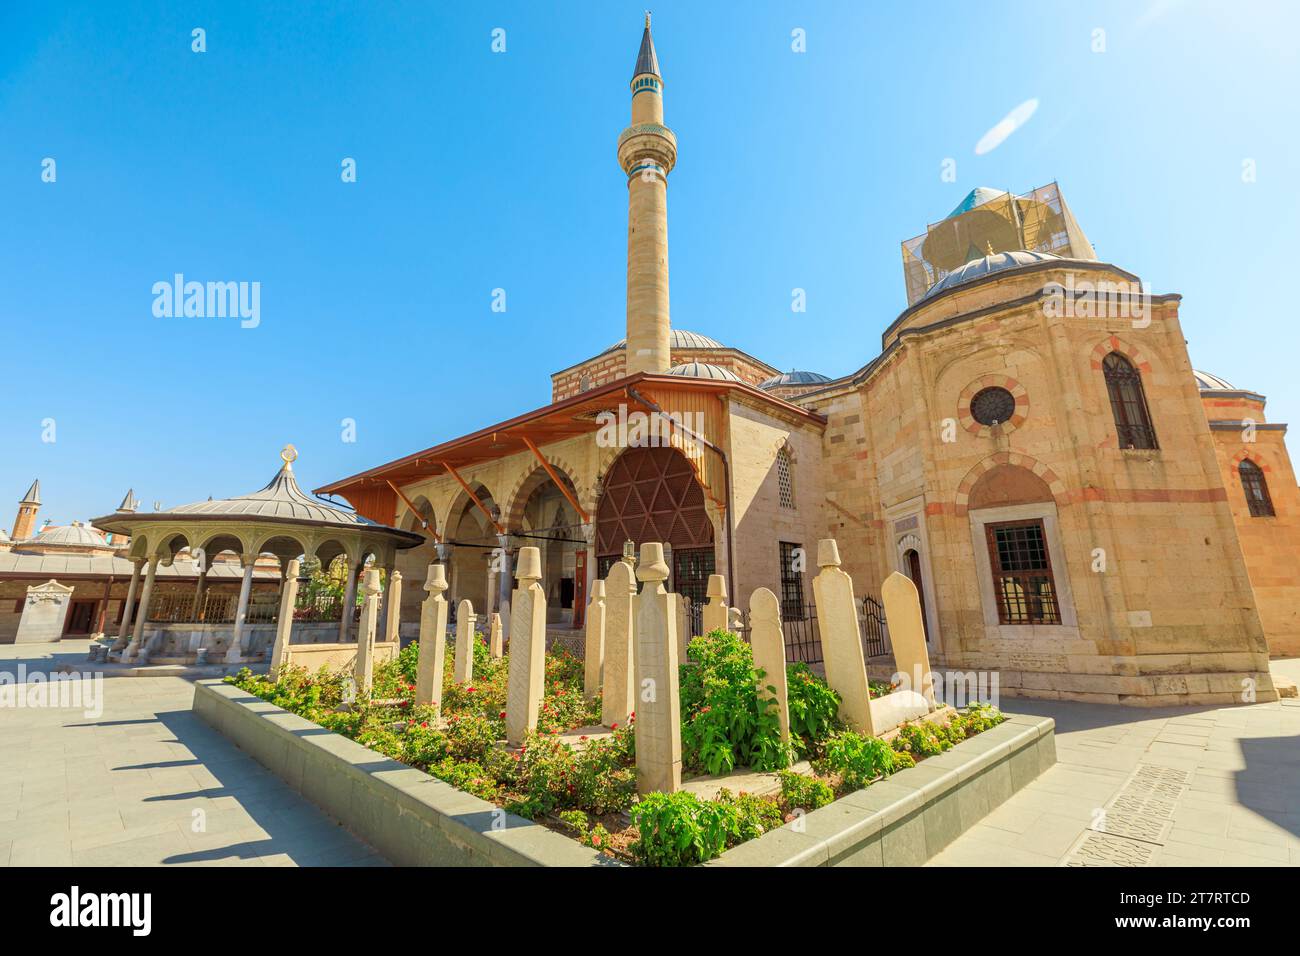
(215,608)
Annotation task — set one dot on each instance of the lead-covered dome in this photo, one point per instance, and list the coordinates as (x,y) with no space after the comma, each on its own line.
(1211,383)
(987,266)
(678,339)
(75,535)
(796,377)
(705,370)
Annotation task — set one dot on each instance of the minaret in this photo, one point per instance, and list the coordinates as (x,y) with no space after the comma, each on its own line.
(25,521)
(647,151)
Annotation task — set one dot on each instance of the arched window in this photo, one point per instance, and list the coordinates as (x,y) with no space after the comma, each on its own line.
(784,478)
(1128,403)
(1256,489)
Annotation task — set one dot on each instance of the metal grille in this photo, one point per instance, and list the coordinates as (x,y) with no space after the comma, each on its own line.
(1256,489)
(791,580)
(1022,573)
(691,570)
(803,640)
(1128,403)
(784,479)
(215,608)
(993,406)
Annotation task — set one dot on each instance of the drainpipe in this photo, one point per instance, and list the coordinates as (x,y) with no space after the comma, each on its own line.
(726,481)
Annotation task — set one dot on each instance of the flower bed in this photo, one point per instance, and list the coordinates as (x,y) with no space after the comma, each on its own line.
(589,791)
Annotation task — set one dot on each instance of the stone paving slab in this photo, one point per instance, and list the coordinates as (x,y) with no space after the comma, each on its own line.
(145,783)
(1192,786)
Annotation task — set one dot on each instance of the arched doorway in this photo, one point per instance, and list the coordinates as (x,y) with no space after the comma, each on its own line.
(650,494)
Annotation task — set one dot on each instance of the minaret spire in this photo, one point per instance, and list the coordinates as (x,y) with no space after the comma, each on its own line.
(647,151)
(25,520)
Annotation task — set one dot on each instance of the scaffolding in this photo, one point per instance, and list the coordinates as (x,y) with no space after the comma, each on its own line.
(989,222)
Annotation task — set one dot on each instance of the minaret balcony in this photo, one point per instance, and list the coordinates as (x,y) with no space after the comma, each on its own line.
(647,141)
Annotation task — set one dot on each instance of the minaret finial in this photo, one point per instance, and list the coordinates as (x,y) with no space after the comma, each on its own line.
(647,19)
(289,455)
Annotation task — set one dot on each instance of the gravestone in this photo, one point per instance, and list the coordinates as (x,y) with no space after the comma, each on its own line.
(393,602)
(433,639)
(658,701)
(907,635)
(594,640)
(525,681)
(465,637)
(365,667)
(768,642)
(837,620)
(617,674)
(714,612)
(284,622)
(495,640)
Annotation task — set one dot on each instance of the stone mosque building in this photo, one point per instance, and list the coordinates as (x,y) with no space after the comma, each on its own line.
(1080,510)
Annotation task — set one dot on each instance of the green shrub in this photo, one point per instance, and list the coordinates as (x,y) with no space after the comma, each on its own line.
(799,792)
(814,707)
(724,721)
(680,829)
(925,739)
(859,759)
(754,815)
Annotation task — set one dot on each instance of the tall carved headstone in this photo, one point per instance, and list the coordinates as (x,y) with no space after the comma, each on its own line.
(714,613)
(365,666)
(658,702)
(525,682)
(907,634)
(768,642)
(620,624)
(495,640)
(465,638)
(393,602)
(594,640)
(433,639)
(44,612)
(284,622)
(837,620)
(684,634)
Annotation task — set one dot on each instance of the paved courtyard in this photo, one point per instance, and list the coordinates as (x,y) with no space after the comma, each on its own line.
(1181,786)
(145,783)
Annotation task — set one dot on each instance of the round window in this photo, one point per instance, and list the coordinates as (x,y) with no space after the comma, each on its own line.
(992,406)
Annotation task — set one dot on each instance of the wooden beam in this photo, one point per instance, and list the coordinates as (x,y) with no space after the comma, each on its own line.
(473,497)
(416,511)
(564,488)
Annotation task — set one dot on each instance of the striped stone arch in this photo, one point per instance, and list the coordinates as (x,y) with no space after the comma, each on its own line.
(1243,455)
(1053,482)
(1018,392)
(513,512)
(1114,343)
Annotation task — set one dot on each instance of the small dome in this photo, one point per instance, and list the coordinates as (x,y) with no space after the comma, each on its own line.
(678,339)
(1211,383)
(4,536)
(989,265)
(705,370)
(794,378)
(976,197)
(75,535)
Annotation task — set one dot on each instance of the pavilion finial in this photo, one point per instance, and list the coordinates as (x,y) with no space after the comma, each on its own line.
(289,455)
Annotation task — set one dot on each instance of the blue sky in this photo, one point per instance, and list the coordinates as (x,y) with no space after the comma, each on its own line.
(478,170)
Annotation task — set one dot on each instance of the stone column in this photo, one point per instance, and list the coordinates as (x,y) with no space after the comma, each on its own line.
(465,637)
(200,592)
(594,640)
(128,609)
(907,634)
(617,674)
(715,612)
(393,609)
(142,612)
(837,620)
(235,653)
(284,620)
(365,665)
(504,573)
(101,612)
(495,642)
(768,641)
(658,704)
(526,678)
(385,603)
(349,602)
(433,639)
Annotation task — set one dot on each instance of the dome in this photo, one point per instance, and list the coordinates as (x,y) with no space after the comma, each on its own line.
(75,535)
(987,266)
(282,498)
(4,536)
(705,370)
(1211,383)
(794,378)
(678,339)
(976,197)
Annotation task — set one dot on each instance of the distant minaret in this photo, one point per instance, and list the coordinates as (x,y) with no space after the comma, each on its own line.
(647,151)
(129,504)
(25,521)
